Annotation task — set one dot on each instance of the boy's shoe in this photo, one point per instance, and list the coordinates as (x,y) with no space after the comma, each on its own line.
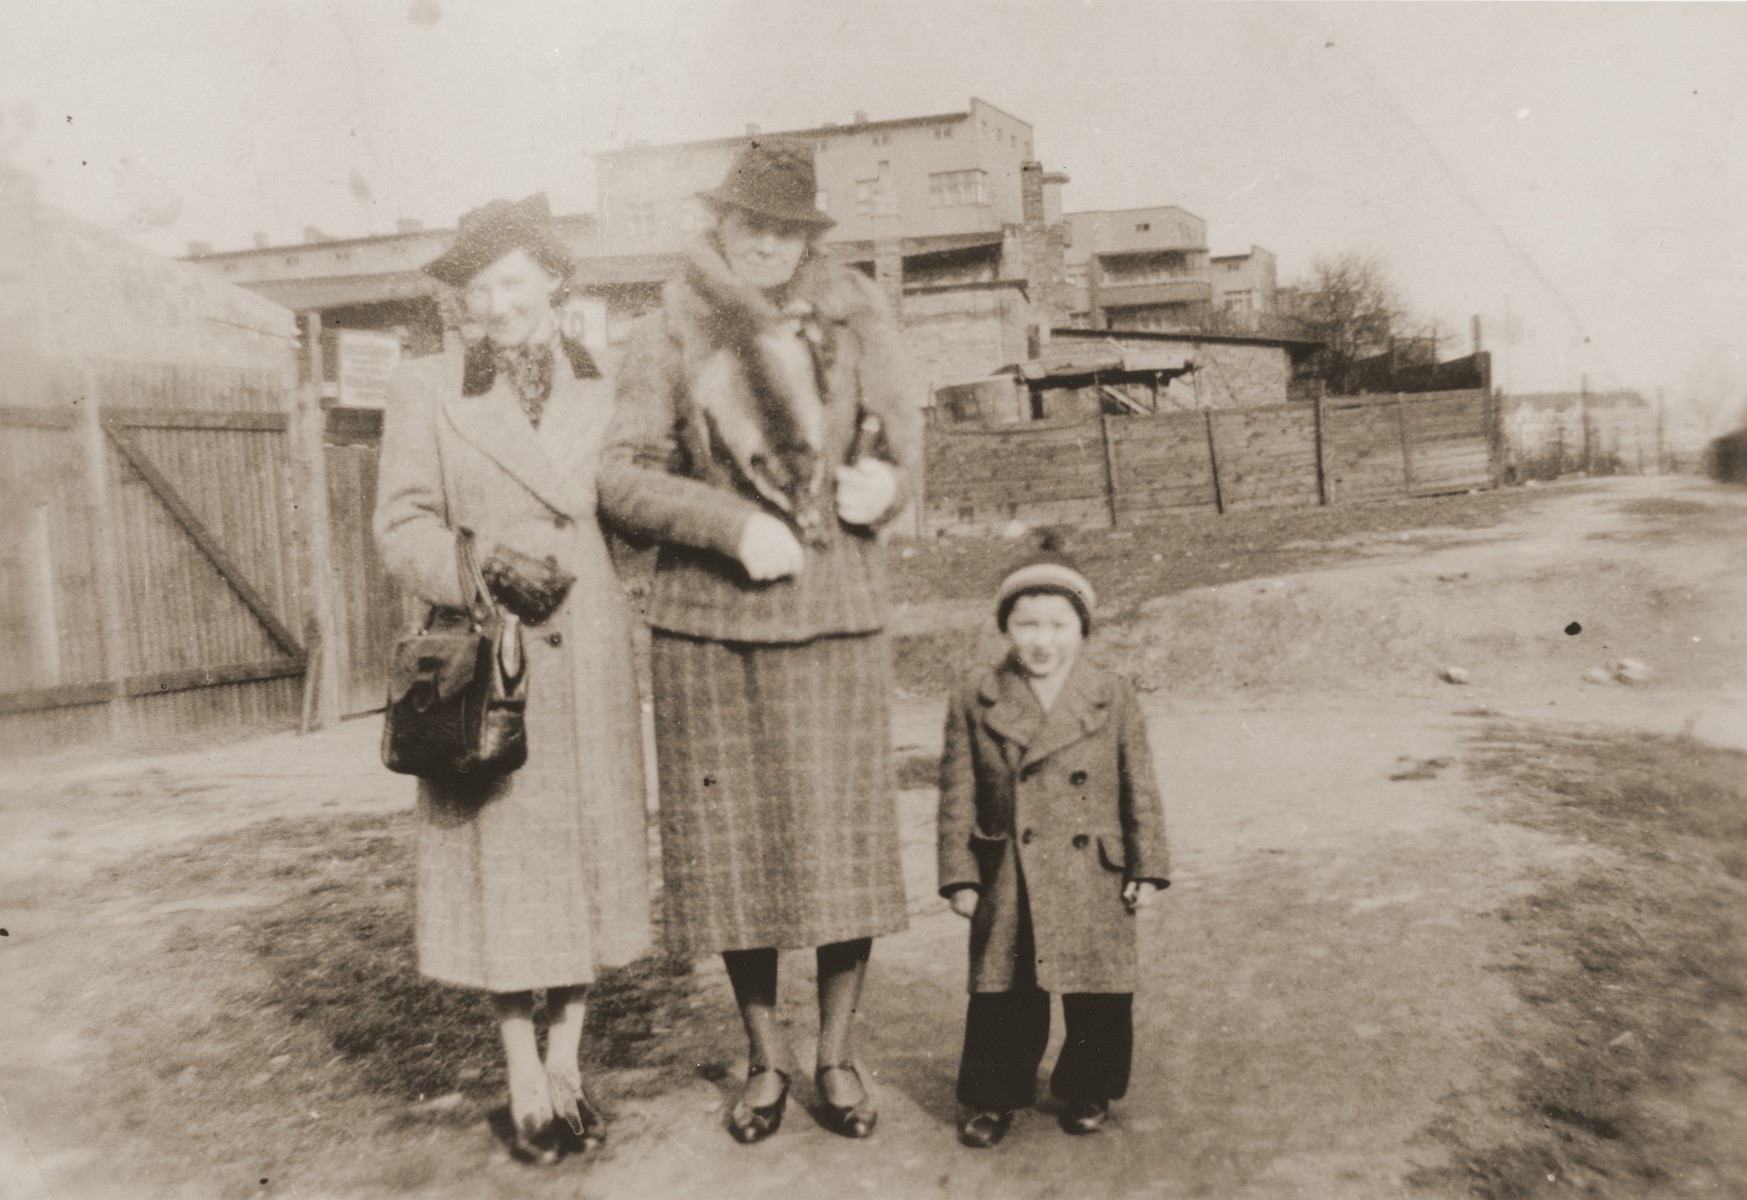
(1084,1116)
(981,1130)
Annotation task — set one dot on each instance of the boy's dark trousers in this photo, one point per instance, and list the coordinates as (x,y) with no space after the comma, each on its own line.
(1005,1035)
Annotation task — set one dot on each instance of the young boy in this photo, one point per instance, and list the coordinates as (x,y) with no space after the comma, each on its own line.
(1051,837)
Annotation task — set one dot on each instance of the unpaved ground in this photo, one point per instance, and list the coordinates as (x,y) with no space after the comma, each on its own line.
(1327,965)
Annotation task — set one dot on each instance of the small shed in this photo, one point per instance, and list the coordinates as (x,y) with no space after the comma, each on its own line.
(157,513)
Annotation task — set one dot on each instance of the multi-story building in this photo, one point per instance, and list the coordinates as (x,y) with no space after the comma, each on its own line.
(1137,268)
(946,175)
(951,213)
(1245,286)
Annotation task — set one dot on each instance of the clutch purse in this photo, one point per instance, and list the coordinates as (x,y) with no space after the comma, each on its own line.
(458,688)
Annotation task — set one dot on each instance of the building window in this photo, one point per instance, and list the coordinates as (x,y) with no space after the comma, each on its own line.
(944,131)
(1143,227)
(882,139)
(640,219)
(950,189)
(291,260)
(342,256)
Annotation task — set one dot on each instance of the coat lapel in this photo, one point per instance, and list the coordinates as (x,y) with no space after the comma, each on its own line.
(1080,710)
(1010,710)
(495,424)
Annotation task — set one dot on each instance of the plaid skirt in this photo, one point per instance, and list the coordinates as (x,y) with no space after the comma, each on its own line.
(779,824)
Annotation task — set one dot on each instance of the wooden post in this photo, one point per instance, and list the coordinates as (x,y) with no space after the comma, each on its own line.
(106,560)
(1661,438)
(324,647)
(1213,458)
(1406,444)
(1110,485)
(1492,417)
(1583,416)
(1321,469)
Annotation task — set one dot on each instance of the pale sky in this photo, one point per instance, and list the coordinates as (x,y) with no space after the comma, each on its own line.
(1567,171)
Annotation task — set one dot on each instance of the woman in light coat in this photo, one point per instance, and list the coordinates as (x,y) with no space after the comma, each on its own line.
(735,448)
(534,880)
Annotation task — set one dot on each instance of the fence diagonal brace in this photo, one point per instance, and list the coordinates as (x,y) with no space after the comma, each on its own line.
(202,537)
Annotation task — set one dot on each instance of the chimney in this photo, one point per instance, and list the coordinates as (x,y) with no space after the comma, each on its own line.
(196,249)
(262,241)
(751,130)
(861,116)
(1031,192)
(408,225)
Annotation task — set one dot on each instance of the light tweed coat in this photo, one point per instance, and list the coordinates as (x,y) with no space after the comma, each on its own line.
(1066,800)
(541,880)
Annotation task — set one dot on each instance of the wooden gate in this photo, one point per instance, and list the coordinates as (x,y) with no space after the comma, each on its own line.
(371,608)
(157,562)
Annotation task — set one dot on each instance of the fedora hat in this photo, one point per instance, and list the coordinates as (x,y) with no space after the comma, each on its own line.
(488,233)
(773,179)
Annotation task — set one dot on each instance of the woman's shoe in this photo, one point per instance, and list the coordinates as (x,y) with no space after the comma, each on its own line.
(575,1112)
(849,1120)
(531,1142)
(534,1130)
(981,1130)
(1081,1117)
(749,1124)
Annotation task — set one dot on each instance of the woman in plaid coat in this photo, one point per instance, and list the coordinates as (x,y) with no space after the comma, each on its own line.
(735,446)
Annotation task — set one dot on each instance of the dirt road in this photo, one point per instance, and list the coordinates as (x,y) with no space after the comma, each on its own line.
(1327,971)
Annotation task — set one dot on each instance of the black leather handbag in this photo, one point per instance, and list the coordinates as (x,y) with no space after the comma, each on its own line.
(458,688)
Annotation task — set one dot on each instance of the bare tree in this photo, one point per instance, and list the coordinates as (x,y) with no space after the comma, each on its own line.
(1350,304)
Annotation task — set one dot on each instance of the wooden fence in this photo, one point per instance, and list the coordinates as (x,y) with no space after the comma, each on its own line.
(1114,470)
(371,609)
(151,582)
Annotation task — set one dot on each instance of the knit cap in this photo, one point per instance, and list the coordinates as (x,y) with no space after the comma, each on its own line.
(1050,570)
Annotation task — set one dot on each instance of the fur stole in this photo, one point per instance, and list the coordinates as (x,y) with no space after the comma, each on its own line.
(757,372)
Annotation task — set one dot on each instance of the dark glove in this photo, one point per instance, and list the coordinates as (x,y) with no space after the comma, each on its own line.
(530,587)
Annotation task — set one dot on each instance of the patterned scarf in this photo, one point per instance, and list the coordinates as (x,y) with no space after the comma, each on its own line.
(529,370)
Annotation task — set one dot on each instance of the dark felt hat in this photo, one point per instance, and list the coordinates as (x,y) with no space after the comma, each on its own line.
(487,234)
(773,179)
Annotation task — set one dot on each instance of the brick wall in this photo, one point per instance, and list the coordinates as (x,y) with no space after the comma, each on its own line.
(953,335)
(1233,376)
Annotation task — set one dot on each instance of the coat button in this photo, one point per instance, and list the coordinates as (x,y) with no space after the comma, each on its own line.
(1078,778)
(1081,841)
(555,639)
(1027,836)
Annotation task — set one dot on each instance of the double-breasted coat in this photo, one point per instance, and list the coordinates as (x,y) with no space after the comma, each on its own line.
(539,878)
(1049,815)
